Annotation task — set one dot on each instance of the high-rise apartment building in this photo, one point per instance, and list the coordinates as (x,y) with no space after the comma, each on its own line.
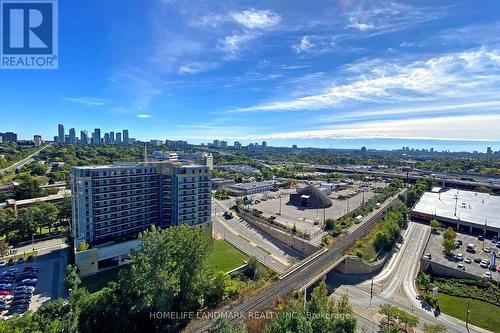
(118,137)
(237,145)
(84,137)
(112,137)
(115,202)
(223,144)
(489,151)
(125,137)
(96,136)
(60,132)
(8,137)
(107,138)
(37,140)
(72,136)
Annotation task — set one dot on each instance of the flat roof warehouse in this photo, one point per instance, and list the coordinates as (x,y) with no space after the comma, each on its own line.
(465,210)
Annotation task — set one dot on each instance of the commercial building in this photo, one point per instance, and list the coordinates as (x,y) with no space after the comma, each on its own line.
(243,189)
(113,203)
(310,197)
(221,183)
(465,211)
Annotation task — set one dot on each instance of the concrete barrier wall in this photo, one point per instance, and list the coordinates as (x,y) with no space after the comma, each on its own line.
(286,238)
(356,265)
(429,266)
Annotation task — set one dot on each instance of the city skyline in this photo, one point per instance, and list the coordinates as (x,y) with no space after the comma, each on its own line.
(374,72)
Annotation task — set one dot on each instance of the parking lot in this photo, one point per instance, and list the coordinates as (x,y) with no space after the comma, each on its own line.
(26,285)
(469,260)
(304,218)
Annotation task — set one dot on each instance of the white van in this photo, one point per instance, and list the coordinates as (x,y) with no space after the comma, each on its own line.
(358,219)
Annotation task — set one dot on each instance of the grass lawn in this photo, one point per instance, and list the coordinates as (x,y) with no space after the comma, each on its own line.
(226,257)
(24,255)
(482,314)
(98,281)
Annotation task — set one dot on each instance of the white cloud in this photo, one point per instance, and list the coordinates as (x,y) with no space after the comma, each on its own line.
(304,45)
(144,116)
(452,75)
(87,101)
(256,19)
(196,67)
(234,43)
(479,127)
(360,26)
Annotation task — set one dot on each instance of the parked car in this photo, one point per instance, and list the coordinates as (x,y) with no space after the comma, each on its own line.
(467,260)
(461,266)
(3,263)
(428,255)
(470,248)
(11,261)
(487,276)
(5,292)
(487,249)
(459,257)
(459,241)
(485,263)
(477,260)
(480,237)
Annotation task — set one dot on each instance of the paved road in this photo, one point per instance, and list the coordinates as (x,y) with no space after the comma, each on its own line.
(297,278)
(396,284)
(249,240)
(24,161)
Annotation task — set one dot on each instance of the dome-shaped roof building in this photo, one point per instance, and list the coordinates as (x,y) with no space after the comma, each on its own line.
(310,197)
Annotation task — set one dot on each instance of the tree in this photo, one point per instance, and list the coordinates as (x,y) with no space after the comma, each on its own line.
(389,311)
(424,281)
(50,214)
(448,246)
(26,224)
(255,270)
(407,319)
(72,279)
(434,328)
(170,270)
(435,225)
(83,246)
(223,326)
(28,188)
(65,208)
(7,222)
(4,248)
(449,233)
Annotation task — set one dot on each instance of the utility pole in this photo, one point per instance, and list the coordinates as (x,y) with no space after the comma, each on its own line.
(280,205)
(371,293)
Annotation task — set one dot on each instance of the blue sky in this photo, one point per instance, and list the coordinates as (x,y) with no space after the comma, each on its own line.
(318,72)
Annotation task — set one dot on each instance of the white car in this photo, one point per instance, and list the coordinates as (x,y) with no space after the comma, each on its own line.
(461,266)
(2,263)
(487,250)
(459,257)
(487,276)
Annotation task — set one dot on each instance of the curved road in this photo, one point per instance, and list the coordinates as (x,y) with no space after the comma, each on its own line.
(24,161)
(396,285)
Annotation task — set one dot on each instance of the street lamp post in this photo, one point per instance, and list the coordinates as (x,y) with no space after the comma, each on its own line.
(468,312)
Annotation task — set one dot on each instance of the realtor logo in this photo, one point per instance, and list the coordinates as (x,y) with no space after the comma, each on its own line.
(29,34)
